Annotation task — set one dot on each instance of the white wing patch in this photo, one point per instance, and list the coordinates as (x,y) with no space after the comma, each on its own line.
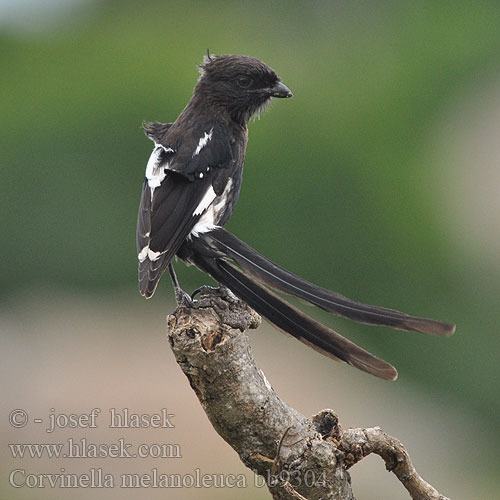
(146,252)
(143,254)
(203,142)
(206,201)
(208,221)
(155,174)
(153,255)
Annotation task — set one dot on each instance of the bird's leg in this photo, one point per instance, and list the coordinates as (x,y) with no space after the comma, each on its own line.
(181,297)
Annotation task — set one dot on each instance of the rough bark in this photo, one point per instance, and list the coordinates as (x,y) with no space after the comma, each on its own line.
(298,457)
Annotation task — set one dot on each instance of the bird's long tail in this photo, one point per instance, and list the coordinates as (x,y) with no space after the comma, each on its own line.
(246,273)
(292,321)
(265,271)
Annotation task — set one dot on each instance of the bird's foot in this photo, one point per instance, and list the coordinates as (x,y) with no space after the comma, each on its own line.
(228,294)
(182,298)
(220,291)
(204,289)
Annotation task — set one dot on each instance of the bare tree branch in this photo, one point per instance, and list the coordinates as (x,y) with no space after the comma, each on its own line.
(299,458)
(359,443)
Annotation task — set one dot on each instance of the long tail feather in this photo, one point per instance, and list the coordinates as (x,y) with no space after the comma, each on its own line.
(279,278)
(290,320)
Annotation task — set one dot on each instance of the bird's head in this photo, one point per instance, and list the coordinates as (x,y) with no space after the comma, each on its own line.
(238,85)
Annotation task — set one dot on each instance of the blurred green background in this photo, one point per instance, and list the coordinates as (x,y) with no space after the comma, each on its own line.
(379,180)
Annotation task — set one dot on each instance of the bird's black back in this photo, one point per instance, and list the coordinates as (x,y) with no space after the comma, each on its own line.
(194,174)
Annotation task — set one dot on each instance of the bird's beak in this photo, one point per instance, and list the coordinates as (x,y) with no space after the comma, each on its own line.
(280,90)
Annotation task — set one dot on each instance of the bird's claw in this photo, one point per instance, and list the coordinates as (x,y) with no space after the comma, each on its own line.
(204,289)
(182,298)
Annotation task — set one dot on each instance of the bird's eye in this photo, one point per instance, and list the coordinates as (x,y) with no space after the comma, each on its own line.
(244,81)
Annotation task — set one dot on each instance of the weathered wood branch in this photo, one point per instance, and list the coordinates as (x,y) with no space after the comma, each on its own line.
(298,457)
(359,443)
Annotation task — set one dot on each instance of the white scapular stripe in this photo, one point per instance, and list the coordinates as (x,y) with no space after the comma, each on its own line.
(202,226)
(208,221)
(155,174)
(206,201)
(203,142)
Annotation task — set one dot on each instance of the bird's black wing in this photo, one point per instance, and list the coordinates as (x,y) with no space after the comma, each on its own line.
(183,178)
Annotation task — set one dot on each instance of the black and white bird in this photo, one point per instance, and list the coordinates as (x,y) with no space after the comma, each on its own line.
(193,180)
